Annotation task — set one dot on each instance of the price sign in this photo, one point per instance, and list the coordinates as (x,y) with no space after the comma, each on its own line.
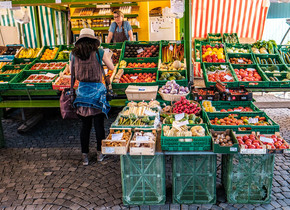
(233,149)
(178,42)
(237,110)
(240,60)
(142,89)
(171,48)
(117,137)
(243,98)
(110,150)
(251,69)
(58,1)
(6,4)
(179,124)
(253,120)
(140,50)
(103,6)
(50,75)
(149,113)
(134,77)
(142,138)
(223,66)
(228,77)
(264,139)
(179,116)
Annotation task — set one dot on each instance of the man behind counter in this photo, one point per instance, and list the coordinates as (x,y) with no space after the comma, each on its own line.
(120,30)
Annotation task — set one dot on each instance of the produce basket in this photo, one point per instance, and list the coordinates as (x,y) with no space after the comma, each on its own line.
(182,82)
(8,69)
(213,45)
(4,81)
(205,74)
(63,79)
(237,48)
(273,127)
(186,143)
(138,93)
(117,45)
(116,145)
(263,83)
(275,69)
(248,178)
(217,148)
(239,56)
(172,97)
(194,179)
(65,50)
(268,59)
(143,145)
(17,82)
(231,38)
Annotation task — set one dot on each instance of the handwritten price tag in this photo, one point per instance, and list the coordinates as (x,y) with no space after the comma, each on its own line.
(224,67)
(179,116)
(253,120)
(179,124)
(134,77)
(227,77)
(50,75)
(142,138)
(140,50)
(149,113)
(240,60)
(117,137)
(264,139)
(251,69)
(171,48)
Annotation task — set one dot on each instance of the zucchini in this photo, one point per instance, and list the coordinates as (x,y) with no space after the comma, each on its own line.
(274,61)
(264,61)
(270,61)
(287,59)
(276,79)
(272,78)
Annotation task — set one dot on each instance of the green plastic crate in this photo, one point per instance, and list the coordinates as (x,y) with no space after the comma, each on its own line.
(141,60)
(49,47)
(241,55)
(22,60)
(125,85)
(208,83)
(280,83)
(197,46)
(226,149)
(282,51)
(198,143)
(143,179)
(214,36)
(165,43)
(64,48)
(194,179)
(180,82)
(248,178)
(29,66)
(225,35)
(5,78)
(140,43)
(283,69)
(266,56)
(11,67)
(274,127)
(238,46)
(117,45)
(263,83)
(16,82)
(234,104)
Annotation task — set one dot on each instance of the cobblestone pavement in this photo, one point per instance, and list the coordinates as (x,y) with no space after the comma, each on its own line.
(42,169)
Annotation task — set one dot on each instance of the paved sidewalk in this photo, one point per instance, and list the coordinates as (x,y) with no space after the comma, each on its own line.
(42,170)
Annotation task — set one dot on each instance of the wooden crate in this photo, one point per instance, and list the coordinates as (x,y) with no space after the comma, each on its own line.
(143,147)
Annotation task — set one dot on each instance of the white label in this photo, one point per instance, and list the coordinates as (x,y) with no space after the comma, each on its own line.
(286,150)
(6,4)
(178,42)
(58,1)
(227,77)
(110,149)
(223,66)
(240,60)
(134,77)
(107,50)
(140,50)
(251,69)
(244,98)
(149,113)
(233,149)
(179,116)
(117,137)
(267,140)
(237,110)
(50,75)
(253,151)
(142,89)
(179,124)
(171,48)
(142,138)
(276,75)
(209,98)
(101,6)
(253,120)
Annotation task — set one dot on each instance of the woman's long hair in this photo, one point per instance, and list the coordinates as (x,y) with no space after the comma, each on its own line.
(85,47)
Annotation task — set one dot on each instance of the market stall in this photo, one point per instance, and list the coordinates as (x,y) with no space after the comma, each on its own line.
(164,114)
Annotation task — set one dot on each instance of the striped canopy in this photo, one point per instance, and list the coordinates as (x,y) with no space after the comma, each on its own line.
(245,17)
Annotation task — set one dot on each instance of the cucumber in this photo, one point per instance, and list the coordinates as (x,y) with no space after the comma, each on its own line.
(276,79)
(258,60)
(274,61)
(272,78)
(287,59)
(264,61)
